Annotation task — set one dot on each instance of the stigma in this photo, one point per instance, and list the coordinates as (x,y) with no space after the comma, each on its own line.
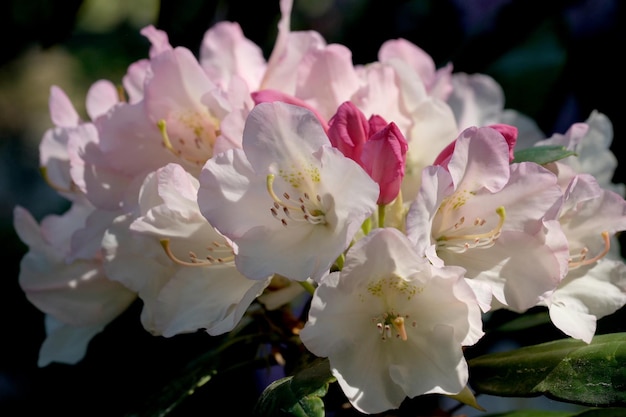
(300,207)
(456,239)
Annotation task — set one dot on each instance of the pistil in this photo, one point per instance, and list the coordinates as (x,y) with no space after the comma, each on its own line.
(388,322)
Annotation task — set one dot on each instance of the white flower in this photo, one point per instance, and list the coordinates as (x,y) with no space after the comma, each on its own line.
(186,276)
(77,296)
(595,285)
(495,219)
(591,141)
(290,202)
(392,325)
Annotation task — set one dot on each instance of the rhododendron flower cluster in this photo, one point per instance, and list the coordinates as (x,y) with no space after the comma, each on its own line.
(391,192)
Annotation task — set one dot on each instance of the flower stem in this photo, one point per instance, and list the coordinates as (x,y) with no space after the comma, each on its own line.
(381,215)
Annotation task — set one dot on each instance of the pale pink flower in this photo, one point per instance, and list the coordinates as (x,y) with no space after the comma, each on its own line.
(186,279)
(226,53)
(389,316)
(492,218)
(290,201)
(76,294)
(438,82)
(54,148)
(182,117)
(137,72)
(595,284)
(591,141)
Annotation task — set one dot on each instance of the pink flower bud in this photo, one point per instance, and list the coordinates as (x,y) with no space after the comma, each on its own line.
(376,123)
(384,157)
(349,130)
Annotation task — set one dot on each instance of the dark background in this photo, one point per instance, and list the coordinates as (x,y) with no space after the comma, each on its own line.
(557,60)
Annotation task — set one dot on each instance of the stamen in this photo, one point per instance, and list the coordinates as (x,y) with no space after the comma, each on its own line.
(388,322)
(483,240)
(167,143)
(291,211)
(194,260)
(581,259)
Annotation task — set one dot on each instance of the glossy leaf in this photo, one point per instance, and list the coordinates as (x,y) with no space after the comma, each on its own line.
(542,154)
(567,370)
(299,395)
(593,412)
(533,413)
(525,322)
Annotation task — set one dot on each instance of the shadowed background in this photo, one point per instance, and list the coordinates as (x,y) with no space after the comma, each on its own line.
(556,60)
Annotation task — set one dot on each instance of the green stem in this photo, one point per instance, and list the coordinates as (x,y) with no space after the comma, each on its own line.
(381,215)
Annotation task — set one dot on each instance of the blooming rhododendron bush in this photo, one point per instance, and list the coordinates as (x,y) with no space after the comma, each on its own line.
(353,231)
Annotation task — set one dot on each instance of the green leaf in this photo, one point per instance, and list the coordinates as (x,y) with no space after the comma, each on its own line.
(525,322)
(298,395)
(542,154)
(602,412)
(533,413)
(567,370)
(592,412)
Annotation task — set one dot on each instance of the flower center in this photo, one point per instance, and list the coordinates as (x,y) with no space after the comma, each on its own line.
(463,235)
(394,290)
(298,207)
(194,136)
(217,253)
(580,259)
(390,322)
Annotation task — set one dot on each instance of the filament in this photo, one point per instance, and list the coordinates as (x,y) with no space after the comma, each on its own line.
(581,258)
(194,260)
(484,240)
(301,209)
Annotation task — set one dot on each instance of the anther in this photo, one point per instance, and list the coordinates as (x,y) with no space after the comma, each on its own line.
(484,240)
(312,215)
(581,259)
